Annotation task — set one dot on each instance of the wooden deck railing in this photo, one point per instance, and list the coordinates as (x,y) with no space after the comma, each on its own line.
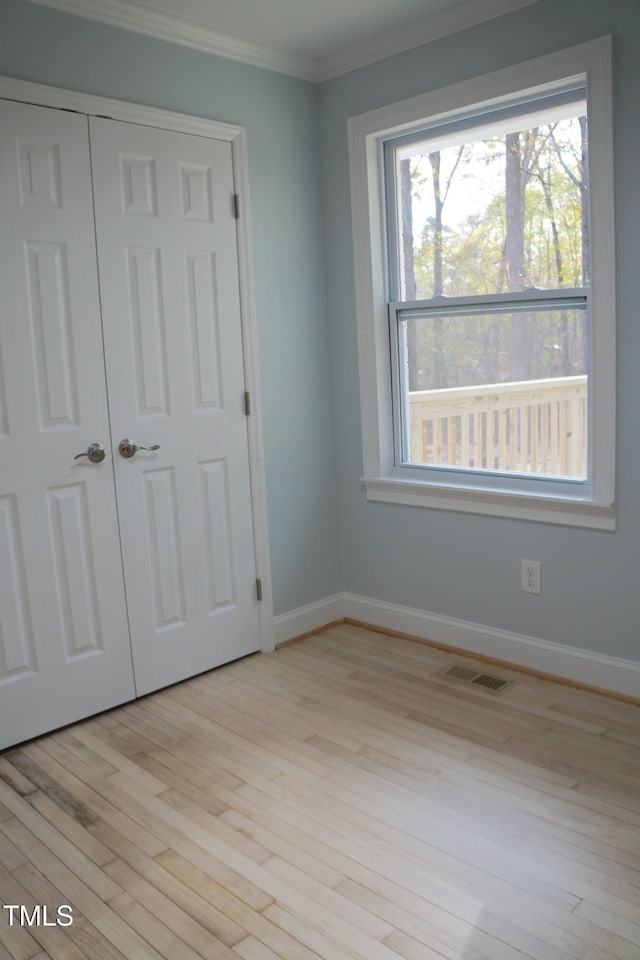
(533,426)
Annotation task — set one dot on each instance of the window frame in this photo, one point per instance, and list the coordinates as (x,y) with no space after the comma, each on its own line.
(589,504)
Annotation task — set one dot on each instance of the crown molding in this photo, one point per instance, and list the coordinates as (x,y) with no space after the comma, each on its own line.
(131,15)
(135,16)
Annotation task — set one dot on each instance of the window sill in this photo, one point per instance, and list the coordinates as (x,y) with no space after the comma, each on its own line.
(492,502)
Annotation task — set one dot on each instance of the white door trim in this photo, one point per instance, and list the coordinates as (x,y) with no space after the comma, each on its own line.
(59,98)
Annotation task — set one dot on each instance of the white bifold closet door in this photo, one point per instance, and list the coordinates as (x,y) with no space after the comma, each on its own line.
(119,576)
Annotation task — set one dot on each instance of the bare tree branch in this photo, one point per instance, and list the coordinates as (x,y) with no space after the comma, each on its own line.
(455,167)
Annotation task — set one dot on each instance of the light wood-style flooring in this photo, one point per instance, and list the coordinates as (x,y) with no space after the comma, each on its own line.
(338,800)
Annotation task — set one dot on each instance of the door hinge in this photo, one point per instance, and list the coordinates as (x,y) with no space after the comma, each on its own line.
(236,206)
(247,403)
(259,590)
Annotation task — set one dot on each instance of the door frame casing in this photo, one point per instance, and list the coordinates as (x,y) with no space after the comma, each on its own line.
(25,91)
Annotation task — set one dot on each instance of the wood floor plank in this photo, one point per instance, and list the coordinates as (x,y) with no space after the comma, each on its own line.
(11,856)
(627,928)
(202,798)
(85,937)
(176,832)
(74,756)
(292,852)
(60,849)
(137,718)
(252,949)
(76,833)
(319,941)
(431,928)
(204,913)
(158,905)
(17,940)
(148,928)
(191,767)
(254,922)
(336,904)
(122,763)
(214,827)
(48,786)
(14,778)
(81,897)
(134,832)
(503,778)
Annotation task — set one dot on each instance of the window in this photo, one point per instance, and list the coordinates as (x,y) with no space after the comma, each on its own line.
(483,237)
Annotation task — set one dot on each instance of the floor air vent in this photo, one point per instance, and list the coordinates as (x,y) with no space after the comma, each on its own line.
(487,680)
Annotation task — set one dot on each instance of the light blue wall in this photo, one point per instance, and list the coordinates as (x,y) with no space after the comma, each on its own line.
(280,114)
(455,564)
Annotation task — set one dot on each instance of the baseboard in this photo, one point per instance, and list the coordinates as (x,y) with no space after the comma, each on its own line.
(572,664)
(307,619)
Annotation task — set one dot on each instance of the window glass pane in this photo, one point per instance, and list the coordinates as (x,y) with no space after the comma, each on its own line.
(494,209)
(496,390)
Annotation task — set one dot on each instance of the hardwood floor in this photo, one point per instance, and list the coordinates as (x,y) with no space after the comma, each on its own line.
(336,799)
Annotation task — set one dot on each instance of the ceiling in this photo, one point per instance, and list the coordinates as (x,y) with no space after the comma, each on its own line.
(305,38)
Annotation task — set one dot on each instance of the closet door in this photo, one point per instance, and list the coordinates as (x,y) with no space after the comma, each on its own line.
(173,347)
(64,644)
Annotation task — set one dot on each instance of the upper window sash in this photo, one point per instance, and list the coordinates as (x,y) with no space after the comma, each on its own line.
(524,112)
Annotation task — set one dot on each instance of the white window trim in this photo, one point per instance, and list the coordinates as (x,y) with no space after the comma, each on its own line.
(382,479)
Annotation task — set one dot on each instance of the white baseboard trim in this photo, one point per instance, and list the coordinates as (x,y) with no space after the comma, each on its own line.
(568,663)
(313,616)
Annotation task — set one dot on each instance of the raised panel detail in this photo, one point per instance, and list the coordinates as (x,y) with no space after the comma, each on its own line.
(75,571)
(148,323)
(50,314)
(139,187)
(196,193)
(163,539)
(16,636)
(40,181)
(216,512)
(203,314)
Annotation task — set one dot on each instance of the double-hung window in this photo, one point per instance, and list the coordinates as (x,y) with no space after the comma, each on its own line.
(483,234)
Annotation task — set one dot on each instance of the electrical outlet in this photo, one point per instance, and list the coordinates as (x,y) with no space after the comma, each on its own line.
(530,576)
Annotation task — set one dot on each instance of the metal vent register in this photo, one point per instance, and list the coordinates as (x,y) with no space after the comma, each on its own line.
(489,681)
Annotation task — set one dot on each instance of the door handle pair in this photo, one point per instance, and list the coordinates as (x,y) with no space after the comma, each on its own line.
(96,453)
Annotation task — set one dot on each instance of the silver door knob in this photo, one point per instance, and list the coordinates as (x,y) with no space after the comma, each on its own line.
(95,452)
(129,448)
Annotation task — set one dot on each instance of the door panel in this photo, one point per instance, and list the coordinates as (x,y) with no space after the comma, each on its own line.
(173,347)
(64,644)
